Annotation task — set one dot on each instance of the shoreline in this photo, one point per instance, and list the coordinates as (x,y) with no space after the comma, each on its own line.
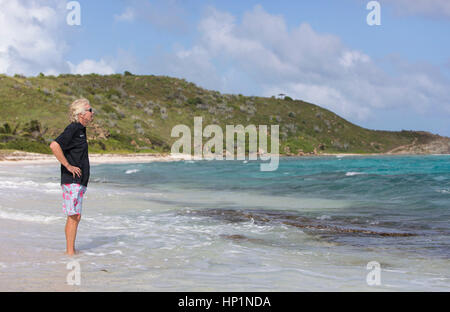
(24,158)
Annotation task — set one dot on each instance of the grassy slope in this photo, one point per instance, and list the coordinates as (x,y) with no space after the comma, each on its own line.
(145,108)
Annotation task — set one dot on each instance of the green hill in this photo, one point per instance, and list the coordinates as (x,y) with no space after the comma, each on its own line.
(137,113)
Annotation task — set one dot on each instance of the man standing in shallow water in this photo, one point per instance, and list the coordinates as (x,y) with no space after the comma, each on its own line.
(71,150)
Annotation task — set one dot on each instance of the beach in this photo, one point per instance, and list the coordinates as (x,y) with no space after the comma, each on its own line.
(23,158)
(156,223)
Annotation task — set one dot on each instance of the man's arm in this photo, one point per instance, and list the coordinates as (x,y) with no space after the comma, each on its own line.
(57,151)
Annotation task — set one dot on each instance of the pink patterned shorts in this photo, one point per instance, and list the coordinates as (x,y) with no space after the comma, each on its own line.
(73,198)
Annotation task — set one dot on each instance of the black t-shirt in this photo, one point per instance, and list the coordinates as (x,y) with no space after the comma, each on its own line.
(74,145)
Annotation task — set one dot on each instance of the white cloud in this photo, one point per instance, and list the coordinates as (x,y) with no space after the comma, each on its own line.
(351,58)
(305,64)
(32,40)
(90,66)
(128,15)
(30,37)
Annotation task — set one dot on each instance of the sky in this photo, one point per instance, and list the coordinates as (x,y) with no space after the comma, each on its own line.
(391,76)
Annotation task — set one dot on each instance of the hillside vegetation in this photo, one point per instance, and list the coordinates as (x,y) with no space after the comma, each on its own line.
(137,113)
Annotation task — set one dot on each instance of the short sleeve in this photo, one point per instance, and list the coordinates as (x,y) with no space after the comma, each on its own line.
(65,138)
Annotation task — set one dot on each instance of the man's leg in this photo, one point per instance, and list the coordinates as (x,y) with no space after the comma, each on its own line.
(71,233)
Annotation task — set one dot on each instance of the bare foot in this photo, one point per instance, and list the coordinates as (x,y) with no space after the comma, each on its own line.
(72,253)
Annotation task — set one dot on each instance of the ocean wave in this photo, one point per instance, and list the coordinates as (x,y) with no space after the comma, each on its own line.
(132,171)
(17,216)
(52,191)
(102,254)
(353,173)
(17,184)
(21,184)
(99,180)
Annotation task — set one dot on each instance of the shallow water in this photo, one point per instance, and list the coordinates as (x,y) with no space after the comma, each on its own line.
(314,224)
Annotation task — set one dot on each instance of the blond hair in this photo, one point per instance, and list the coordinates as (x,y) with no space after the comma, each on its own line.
(77,107)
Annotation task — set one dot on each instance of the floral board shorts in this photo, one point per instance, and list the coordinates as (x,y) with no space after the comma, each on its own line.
(73,198)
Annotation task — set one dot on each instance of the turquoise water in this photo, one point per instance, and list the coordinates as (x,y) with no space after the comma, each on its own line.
(313,224)
(393,193)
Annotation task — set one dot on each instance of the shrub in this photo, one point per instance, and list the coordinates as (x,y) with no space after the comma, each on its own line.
(194,101)
(109,109)
(28,146)
(109,94)
(5,129)
(5,138)
(157,141)
(32,126)
(97,144)
(116,142)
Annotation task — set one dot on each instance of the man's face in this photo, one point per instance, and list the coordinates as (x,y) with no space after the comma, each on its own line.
(87,116)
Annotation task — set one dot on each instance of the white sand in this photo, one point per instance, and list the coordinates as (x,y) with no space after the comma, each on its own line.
(25,158)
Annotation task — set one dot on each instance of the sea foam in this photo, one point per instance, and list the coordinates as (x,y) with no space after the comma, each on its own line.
(352,173)
(17,216)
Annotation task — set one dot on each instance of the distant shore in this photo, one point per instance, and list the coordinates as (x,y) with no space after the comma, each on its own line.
(19,157)
(22,158)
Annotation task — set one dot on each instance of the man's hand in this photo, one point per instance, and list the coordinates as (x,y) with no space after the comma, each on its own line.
(57,151)
(74,170)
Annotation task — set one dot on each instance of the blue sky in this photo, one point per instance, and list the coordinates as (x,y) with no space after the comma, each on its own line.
(393,76)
